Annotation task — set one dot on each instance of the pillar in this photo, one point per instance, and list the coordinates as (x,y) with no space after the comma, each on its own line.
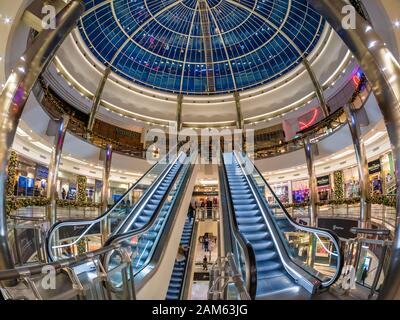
(239,115)
(318,88)
(179,113)
(16,92)
(97,99)
(383,73)
(54,166)
(106,190)
(362,165)
(312,184)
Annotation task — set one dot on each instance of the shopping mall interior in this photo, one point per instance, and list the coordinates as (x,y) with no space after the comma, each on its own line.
(199,149)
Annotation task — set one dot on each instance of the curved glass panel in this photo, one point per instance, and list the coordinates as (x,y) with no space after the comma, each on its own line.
(315,250)
(70,238)
(142,244)
(173,45)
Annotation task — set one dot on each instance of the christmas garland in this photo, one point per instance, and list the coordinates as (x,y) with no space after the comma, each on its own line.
(12,173)
(338,185)
(374,199)
(14,203)
(82,184)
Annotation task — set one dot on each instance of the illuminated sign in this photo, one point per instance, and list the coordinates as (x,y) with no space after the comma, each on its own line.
(308,119)
(323,181)
(374,166)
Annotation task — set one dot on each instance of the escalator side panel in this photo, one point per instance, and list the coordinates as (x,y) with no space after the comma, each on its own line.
(272,278)
(159,275)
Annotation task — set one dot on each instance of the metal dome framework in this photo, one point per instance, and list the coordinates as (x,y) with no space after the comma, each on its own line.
(200,46)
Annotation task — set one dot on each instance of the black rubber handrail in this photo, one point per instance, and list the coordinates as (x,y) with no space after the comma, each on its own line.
(90,223)
(329,233)
(250,256)
(16,273)
(116,238)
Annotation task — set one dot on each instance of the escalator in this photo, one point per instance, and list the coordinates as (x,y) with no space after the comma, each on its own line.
(147,245)
(179,271)
(131,264)
(69,238)
(271,242)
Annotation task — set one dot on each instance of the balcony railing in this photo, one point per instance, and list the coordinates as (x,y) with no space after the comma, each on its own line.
(55,108)
(324,128)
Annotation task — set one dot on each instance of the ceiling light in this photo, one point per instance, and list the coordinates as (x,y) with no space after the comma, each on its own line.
(42,146)
(75,160)
(22,133)
(343,154)
(375,137)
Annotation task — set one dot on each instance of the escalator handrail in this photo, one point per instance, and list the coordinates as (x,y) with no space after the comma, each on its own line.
(36,269)
(145,198)
(192,245)
(90,223)
(325,232)
(250,256)
(118,239)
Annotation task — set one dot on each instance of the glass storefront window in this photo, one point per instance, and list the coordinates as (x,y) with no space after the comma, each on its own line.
(281,190)
(300,191)
(351,183)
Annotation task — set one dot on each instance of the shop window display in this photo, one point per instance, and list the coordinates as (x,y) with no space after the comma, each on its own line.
(351,183)
(300,191)
(281,191)
(375,171)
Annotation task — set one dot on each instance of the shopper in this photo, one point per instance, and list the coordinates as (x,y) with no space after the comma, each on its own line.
(206,242)
(205,263)
(63,194)
(182,254)
(364,275)
(191,213)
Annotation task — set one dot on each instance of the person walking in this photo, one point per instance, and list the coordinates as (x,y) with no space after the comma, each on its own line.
(206,242)
(191,213)
(364,275)
(205,263)
(63,194)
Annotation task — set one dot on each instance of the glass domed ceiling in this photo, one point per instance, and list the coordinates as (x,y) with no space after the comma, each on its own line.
(200,46)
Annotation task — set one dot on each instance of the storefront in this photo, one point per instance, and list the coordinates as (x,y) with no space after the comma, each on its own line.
(281,190)
(351,183)
(375,178)
(26,184)
(389,181)
(117,190)
(324,188)
(300,191)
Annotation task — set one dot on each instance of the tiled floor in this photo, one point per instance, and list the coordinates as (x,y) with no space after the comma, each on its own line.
(199,290)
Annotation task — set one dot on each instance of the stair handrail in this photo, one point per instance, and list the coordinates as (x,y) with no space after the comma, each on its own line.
(250,257)
(90,223)
(325,232)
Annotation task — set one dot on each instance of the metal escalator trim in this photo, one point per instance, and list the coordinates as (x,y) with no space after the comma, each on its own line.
(183,277)
(152,266)
(189,261)
(92,222)
(152,191)
(148,268)
(309,283)
(249,252)
(324,232)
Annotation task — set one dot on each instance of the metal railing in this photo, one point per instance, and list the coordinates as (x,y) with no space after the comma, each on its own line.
(313,234)
(101,284)
(224,273)
(55,108)
(32,279)
(381,214)
(368,244)
(322,129)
